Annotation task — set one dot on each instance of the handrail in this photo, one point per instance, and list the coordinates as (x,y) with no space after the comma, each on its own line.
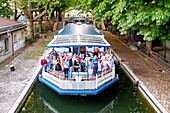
(153,55)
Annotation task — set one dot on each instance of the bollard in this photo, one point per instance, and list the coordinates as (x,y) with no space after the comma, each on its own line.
(12,68)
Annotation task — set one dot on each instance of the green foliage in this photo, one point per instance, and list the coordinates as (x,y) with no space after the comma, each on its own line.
(29,40)
(36,29)
(44,28)
(5,10)
(151,18)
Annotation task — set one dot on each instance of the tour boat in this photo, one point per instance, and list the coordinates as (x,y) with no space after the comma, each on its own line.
(79,39)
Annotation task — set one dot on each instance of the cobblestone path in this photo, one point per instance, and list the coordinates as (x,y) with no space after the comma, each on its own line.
(155,77)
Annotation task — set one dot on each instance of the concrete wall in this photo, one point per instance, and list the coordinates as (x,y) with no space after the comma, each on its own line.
(5,54)
(19,39)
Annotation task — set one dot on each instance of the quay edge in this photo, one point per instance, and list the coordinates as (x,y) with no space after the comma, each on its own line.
(25,93)
(145,92)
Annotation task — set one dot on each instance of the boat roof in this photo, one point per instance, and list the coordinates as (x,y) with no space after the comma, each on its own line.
(79,29)
(78,35)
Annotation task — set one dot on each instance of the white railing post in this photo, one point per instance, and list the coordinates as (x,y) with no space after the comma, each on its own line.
(113,71)
(96,82)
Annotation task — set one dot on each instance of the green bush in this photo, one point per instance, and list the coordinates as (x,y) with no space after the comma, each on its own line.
(112,28)
(29,40)
(36,29)
(44,28)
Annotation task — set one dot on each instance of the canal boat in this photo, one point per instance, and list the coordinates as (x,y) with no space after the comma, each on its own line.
(80,41)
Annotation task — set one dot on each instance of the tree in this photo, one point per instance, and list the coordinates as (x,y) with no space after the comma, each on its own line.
(30,6)
(5,10)
(150,17)
(42,7)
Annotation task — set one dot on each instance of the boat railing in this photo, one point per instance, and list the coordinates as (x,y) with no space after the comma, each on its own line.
(80,80)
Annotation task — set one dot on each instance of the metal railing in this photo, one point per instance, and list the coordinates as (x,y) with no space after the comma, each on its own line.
(153,55)
(78,82)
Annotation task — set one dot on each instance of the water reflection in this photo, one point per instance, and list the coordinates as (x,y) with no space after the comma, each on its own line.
(121,97)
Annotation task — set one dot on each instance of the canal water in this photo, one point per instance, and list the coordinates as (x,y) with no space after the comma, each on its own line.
(122,97)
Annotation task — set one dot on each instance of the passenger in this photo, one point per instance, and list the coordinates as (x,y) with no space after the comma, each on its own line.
(111,60)
(58,68)
(102,57)
(95,65)
(82,65)
(54,62)
(99,56)
(65,61)
(99,68)
(79,59)
(62,56)
(50,59)
(65,56)
(82,56)
(70,66)
(87,58)
(90,67)
(62,63)
(74,57)
(44,64)
(108,53)
(76,65)
(87,54)
(54,53)
(95,52)
(92,55)
(105,66)
(49,64)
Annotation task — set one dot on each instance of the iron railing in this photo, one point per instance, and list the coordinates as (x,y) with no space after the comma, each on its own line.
(153,55)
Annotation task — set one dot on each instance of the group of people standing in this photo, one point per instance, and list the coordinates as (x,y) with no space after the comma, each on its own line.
(96,63)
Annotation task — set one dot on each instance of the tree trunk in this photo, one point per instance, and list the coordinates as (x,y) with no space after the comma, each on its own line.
(40,25)
(103,26)
(15,12)
(30,20)
(94,22)
(148,47)
(30,28)
(55,26)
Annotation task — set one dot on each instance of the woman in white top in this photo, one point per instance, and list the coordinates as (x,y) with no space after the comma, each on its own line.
(106,65)
(65,64)
(54,62)
(74,57)
(102,57)
(111,60)
(90,67)
(99,68)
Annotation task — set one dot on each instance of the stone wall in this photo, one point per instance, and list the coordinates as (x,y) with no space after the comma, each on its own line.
(4,54)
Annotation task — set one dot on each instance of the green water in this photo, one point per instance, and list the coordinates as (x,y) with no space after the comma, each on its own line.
(122,97)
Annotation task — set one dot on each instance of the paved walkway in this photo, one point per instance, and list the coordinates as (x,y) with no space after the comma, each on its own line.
(26,63)
(155,77)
